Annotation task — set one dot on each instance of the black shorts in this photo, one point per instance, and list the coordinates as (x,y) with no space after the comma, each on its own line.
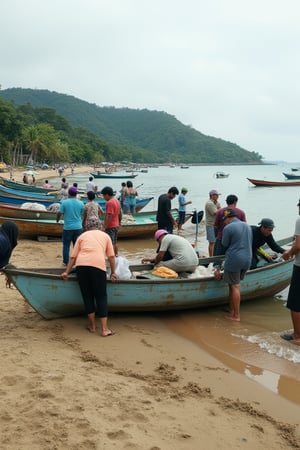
(113,233)
(293,301)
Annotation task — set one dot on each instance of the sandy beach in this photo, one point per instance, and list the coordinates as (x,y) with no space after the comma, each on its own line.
(145,388)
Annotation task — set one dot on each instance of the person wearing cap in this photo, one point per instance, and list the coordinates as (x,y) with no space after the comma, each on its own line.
(72,209)
(219,224)
(293,300)
(113,216)
(164,217)
(89,254)
(182,208)
(262,234)
(237,242)
(183,256)
(211,208)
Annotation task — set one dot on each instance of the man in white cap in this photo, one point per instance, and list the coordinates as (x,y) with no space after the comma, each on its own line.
(211,208)
(183,256)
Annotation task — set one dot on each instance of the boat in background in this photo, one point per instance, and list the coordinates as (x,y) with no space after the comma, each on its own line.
(52,298)
(36,224)
(221,175)
(266,183)
(291,176)
(15,197)
(25,187)
(112,175)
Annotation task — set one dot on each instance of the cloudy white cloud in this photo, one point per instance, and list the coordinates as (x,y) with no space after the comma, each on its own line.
(229,68)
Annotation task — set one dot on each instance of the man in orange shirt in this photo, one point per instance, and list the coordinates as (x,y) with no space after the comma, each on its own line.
(113,216)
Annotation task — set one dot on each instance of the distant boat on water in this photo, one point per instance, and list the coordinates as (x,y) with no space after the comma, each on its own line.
(112,175)
(267,183)
(291,176)
(221,175)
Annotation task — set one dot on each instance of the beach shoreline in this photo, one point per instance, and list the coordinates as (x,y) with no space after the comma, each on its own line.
(146,387)
(157,384)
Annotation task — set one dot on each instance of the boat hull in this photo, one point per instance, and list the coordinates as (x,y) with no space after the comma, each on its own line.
(33,224)
(291,176)
(53,298)
(24,187)
(266,183)
(17,198)
(110,175)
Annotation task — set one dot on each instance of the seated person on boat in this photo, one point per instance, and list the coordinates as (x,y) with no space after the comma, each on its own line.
(262,234)
(183,256)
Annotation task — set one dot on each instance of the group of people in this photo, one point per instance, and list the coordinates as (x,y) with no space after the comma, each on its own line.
(227,233)
(92,241)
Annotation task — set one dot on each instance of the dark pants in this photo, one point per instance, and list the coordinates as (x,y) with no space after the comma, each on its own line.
(68,237)
(165,226)
(293,301)
(218,248)
(92,283)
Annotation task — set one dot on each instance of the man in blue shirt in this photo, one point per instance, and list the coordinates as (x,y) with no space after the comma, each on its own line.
(72,209)
(237,241)
(182,207)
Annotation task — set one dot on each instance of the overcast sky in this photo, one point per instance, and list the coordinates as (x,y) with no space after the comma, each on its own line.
(229,68)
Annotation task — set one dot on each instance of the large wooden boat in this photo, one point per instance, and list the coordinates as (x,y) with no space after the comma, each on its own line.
(112,175)
(266,183)
(52,297)
(35,224)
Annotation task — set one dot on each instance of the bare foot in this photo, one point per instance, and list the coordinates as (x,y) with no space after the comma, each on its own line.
(234,319)
(107,333)
(91,330)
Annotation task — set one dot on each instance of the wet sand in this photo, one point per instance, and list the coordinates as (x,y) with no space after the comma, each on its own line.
(163,381)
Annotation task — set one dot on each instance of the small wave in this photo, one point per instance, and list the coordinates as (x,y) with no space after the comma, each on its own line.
(273,344)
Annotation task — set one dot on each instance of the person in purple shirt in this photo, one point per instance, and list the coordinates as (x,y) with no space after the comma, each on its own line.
(219,224)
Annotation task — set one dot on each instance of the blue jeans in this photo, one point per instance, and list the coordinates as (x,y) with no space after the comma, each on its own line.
(69,236)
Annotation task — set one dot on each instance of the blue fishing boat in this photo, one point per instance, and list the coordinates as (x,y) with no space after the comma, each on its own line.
(53,298)
(25,187)
(291,176)
(15,197)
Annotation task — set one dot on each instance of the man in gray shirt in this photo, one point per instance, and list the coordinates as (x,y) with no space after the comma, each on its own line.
(183,256)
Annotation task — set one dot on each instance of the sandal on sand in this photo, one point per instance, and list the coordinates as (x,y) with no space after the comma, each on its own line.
(287,337)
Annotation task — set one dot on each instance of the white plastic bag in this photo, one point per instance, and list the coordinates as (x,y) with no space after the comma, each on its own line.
(122,268)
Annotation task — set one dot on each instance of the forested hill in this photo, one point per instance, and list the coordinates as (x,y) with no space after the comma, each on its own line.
(157,133)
